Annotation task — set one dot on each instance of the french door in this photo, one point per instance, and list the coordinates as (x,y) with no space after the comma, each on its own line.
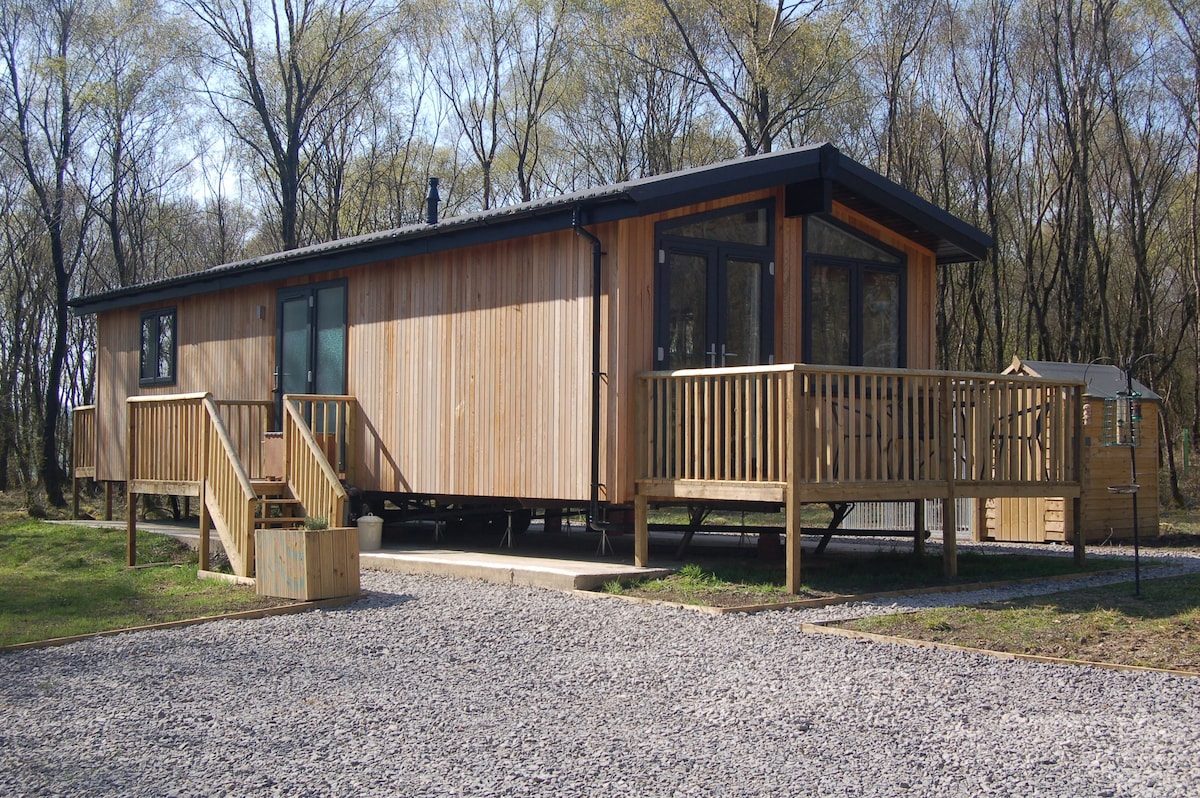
(715,289)
(311,341)
(715,308)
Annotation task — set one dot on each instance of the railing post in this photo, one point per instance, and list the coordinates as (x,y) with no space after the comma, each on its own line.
(75,465)
(1078,543)
(792,489)
(205,521)
(946,444)
(130,497)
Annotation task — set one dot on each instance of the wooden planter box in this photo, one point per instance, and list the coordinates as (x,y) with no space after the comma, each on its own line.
(307,564)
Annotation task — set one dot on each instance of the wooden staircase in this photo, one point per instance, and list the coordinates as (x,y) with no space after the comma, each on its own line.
(277,507)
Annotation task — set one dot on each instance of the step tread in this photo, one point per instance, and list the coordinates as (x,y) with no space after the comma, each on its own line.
(294,522)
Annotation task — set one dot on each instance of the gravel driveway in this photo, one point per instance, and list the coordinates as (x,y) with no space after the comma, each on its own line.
(434,686)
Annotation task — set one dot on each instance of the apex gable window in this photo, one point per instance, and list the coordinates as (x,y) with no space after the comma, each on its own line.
(158,347)
(854,298)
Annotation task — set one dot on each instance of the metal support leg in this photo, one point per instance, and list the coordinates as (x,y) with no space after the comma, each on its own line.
(507,540)
(605,546)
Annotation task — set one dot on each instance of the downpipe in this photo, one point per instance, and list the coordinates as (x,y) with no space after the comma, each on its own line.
(594,521)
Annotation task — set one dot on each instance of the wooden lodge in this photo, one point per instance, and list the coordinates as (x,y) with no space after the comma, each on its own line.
(759,330)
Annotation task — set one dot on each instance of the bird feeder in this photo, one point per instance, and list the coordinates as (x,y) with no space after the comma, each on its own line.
(1123,419)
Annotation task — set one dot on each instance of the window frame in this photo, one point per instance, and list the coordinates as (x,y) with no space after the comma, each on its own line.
(855,267)
(157,315)
(718,252)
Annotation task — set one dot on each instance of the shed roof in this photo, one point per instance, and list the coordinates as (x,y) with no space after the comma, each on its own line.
(1103,381)
(814,177)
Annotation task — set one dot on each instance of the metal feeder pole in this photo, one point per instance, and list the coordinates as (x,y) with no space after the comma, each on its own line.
(1137,556)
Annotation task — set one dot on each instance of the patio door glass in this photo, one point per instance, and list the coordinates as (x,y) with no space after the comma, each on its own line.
(311,351)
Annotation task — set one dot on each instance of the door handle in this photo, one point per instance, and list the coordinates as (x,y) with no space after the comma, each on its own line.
(712,356)
(725,354)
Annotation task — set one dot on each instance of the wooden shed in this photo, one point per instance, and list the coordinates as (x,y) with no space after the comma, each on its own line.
(759,330)
(1107,473)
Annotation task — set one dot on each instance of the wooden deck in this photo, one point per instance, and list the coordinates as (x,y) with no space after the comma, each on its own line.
(792,434)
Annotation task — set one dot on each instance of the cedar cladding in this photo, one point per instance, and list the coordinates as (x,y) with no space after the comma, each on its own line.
(472,367)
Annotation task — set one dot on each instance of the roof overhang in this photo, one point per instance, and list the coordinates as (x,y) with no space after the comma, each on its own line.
(814,178)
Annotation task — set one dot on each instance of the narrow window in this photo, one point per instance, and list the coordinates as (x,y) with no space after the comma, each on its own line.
(158,347)
(854,298)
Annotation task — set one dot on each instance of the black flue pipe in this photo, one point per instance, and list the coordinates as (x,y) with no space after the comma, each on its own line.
(431,202)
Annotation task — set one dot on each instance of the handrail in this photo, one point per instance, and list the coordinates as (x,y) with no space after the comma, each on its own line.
(229,494)
(310,477)
(815,368)
(857,425)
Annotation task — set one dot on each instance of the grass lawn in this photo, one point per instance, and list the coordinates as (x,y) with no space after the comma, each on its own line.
(1159,629)
(57,581)
(734,582)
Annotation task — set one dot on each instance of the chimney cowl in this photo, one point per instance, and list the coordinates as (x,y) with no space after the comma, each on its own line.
(431,202)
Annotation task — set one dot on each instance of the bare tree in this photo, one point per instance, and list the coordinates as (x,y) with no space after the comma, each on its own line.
(136,96)
(47,69)
(280,70)
(767,66)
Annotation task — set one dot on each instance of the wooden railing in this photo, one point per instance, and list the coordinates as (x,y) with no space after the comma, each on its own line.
(228,494)
(247,422)
(723,425)
(798,433)
(307,460)
(165,452)
(331,419)
(875,433)
(83,442)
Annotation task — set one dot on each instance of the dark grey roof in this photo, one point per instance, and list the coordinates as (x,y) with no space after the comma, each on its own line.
(814,176)
(1104,381)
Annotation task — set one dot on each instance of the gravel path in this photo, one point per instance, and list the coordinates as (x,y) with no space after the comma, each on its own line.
(436,687)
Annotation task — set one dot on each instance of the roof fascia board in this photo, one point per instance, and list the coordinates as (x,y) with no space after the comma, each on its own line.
(816,165)
(857,178)
(418,243)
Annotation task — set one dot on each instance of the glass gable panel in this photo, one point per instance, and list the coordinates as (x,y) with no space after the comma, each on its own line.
(824,238)
(743,227)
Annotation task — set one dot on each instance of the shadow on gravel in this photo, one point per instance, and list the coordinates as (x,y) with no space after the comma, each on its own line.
(376,599)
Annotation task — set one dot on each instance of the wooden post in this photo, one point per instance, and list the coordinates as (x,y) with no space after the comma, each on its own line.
(946,444)
(641,531)
(1077,523)
(205,521)
(205,525)
(949,536)
(792,486)
(108,491)
(979,533)
(919,528)
(130,496)
(1077,501)
(74,493)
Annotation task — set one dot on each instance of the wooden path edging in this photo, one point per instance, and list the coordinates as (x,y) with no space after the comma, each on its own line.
(829,601)
(244,615)
(837,631)
(827,628)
